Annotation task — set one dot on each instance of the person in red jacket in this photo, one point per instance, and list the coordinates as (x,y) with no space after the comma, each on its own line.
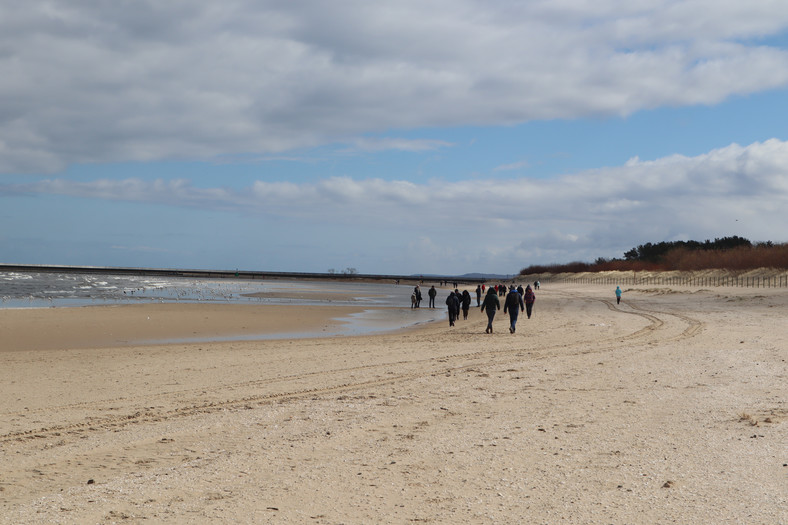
(530,299)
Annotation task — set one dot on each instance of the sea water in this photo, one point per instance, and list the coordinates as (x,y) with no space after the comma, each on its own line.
(385,306)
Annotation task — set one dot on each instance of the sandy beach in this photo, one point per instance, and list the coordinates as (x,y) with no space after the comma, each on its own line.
(671,407)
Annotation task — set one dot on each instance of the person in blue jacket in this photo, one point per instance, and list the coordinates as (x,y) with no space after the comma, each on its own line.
(618,295)
(514,305)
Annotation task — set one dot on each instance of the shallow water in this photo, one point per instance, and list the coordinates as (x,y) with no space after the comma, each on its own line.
(387,305)
(35,290)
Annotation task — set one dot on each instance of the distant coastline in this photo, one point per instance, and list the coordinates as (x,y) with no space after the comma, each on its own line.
(235,274)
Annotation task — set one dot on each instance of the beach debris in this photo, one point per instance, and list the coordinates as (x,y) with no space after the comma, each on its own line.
(91,482)
(667,484)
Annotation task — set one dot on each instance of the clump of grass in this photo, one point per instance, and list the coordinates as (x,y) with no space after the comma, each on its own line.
(745,417)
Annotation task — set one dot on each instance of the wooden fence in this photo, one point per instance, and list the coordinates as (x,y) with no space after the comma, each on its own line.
(777,281)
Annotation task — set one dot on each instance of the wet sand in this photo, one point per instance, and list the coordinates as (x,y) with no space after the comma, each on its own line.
(669,408)
(135,324)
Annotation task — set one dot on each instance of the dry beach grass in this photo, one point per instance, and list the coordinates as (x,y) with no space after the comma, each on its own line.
(669,408)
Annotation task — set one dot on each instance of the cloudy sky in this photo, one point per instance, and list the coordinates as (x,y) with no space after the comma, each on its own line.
(405,137)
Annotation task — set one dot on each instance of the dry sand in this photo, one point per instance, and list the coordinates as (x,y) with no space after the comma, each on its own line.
(669,408)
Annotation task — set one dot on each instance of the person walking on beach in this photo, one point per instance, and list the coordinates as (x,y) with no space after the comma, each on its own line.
(478,295)
(618,295)
(432,293)
(490,305)
(514,305)
(530,299)
(466,303)
(453,303)
(417,293)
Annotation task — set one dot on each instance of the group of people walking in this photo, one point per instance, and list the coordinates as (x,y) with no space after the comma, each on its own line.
(517,300)
(457,301)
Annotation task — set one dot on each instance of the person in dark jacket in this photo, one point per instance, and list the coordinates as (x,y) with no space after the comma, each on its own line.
(453,303)
(478,295)
(432,293)
(513,305)
(466,303)
(530,299)
(490,305)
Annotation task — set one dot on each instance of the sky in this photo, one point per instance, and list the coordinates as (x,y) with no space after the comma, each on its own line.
(410,137)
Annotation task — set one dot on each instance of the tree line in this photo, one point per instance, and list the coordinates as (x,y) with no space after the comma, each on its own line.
(728,253)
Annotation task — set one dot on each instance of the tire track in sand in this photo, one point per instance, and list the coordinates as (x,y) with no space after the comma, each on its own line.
(425,367)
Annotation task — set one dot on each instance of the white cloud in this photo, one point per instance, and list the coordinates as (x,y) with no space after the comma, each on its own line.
(758,170)
(426,247)
(398,144)
(733,190)
(93,82)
